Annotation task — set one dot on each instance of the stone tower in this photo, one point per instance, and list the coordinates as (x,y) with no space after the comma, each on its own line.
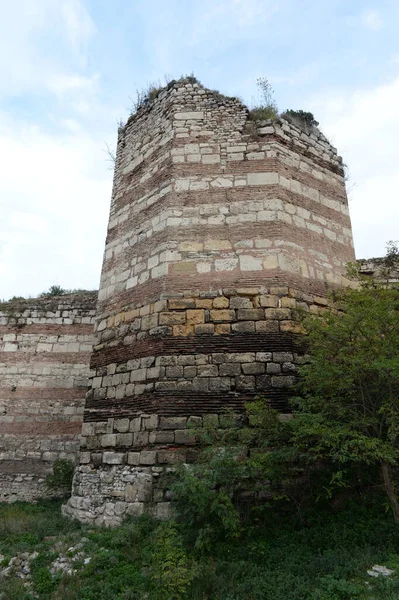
(219,228)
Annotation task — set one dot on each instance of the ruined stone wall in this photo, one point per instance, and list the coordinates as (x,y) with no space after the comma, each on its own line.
(45,346)
(219,229)
(378,268)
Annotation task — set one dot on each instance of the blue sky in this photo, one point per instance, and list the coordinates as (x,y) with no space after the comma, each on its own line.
(68,68)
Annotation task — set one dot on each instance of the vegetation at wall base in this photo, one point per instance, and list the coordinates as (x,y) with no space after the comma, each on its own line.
(325,556)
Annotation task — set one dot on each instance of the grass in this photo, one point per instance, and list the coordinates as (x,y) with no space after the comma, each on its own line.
(277,558)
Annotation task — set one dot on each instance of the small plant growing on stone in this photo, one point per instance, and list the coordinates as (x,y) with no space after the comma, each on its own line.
(267,109)
(54,290)
(60,480)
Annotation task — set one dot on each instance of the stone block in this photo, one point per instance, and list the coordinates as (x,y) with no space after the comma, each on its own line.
(162,437)
(251,263)
(273,368)
(135,424)
(109,439)
(207,370)
(172,422)
(245,383)
(138,375)
(189,116)
(253,368)
(283,381)
(135,509)
(239,302)
(219,384)
(190,372)
(121,425)
(262,178)
(268,301)
(250,314)
(148,457)
(174,372)
(170,457)
(278,313)
(205,329)
(201,384)
(195,317)
(270,262)
(226,264)
(172,318)
(230,369)
(140,438)
(133,458)
(221,302)
(88,429)
(124,439)
(217,245)
(263,383)
(267,326)
(244,327)
(181,303)
(150,422)
(219,316)
(292,327)
(222,329)
(184,436)
(113,458)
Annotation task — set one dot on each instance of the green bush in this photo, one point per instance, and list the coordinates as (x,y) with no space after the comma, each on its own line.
(267,107)
(60,481)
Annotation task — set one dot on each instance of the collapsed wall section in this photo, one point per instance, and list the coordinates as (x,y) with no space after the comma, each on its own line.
(45,346)
(220,229)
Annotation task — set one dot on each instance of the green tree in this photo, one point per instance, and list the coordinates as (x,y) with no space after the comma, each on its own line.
(348,411)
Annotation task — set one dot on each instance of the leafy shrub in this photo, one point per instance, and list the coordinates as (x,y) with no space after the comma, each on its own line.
(61,478)
(170,569)
(267,108)
(54,290)
(304,120)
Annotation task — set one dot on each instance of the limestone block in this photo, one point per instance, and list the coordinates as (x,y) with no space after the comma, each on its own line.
(204,329)
(221,302)
(250,263)
(195,317)
(148,457)
(222,315)
(226,264)
(262,178)
(109,439)
(217,245)
(113,458)
(283,381)
(271,262)
(124,439)
(172,422)
(184,116)
(133,458)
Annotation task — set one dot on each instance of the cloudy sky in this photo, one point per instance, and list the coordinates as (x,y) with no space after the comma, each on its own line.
(68,68)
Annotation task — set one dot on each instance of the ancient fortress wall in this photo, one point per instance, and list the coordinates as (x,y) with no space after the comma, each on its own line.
(219,229)
(45,347)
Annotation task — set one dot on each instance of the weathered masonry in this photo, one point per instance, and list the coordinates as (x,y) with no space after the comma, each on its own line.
(45,346)
(219,228)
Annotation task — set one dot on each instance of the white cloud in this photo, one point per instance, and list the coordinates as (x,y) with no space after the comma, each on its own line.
(40,39)
(364,125)
(372,19)
(54,202)
(78,24)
